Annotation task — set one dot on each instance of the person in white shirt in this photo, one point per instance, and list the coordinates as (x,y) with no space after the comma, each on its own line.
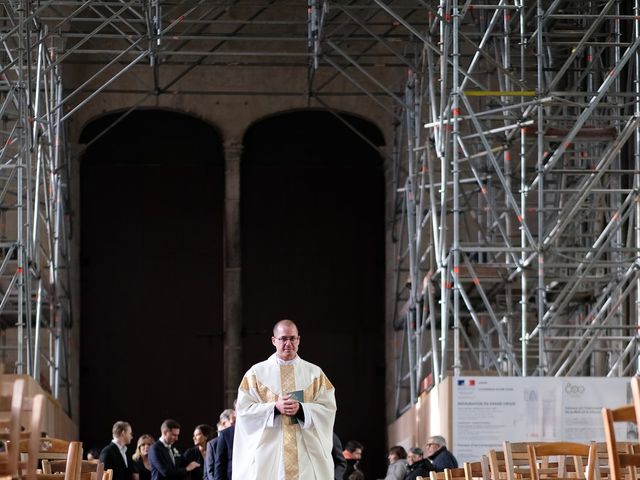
(115,455)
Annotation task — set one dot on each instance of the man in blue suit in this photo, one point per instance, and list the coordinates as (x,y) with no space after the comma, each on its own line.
(224,454)
(166,462)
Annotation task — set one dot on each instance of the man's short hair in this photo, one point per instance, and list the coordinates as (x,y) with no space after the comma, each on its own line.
(287,322)
(228,414)
(417,451)
(119,428)
(439,440)
(169,424)
(353,445)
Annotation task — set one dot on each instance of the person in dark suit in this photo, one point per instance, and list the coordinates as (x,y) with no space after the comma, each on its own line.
(339,462)
(224,454)
(115,455)
(227,418)
(437,452)
(166,462)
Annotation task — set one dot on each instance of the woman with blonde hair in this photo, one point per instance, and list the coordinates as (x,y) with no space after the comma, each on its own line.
(141,464)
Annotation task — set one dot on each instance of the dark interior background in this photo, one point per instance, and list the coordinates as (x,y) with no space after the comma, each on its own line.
(312,213)
(152,192)
(313,251)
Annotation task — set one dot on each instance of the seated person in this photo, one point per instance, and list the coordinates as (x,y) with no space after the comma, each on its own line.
(397,463)
(436,451)
(418,465)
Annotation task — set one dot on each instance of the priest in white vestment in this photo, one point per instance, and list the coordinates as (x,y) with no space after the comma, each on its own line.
(285,413)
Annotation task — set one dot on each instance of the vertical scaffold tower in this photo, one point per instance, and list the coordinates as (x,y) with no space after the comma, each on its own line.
(517,220)
(35,309)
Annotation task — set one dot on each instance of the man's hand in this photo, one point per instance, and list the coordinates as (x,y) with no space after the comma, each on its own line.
(192,465)
(287,406)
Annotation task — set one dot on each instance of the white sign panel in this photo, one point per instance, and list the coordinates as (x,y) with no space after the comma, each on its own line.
(489,410)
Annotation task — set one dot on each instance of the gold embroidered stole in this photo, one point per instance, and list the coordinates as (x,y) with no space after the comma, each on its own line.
(290,443)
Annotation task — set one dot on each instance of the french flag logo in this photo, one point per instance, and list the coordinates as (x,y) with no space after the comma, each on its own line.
(469,382)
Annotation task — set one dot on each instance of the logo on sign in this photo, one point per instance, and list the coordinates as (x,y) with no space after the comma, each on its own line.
(573,389)
(469,382)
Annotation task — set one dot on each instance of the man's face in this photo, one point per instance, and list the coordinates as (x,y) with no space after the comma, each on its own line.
(413,458)
(431,447)
(127,436)
(357,454)
(286,341)
(171,436)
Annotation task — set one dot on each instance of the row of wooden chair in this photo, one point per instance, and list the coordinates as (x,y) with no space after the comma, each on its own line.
(23,448)
(529,461)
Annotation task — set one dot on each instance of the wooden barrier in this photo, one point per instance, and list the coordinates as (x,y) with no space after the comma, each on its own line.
(56,422)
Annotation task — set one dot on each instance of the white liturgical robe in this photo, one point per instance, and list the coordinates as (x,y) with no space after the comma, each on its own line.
(275,447)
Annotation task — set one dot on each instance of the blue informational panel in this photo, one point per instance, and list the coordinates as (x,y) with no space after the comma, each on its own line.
(490,410)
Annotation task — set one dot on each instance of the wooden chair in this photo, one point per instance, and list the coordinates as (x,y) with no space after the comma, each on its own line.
(603,472)
(89,469)
(433,475)
(516,458)
(72,464)
(635,392)
(549,461)
(108,475)
(512,463)
(23,426)
(477,470)
(497,465)
(11,406)
(36,407)
(454,473)
(622,465)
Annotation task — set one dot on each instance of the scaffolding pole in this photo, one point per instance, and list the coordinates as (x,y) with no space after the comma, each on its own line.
(525,171)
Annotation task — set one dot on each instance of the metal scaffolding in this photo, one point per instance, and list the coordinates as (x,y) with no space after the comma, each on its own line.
(35,309)
(517,173)
(515,162)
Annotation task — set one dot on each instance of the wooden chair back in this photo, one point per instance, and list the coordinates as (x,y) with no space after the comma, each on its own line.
(89,469)
(477,470)
(510,463)
(454,473)
(433,475)
(37,405)
(108,475)
(603,472)
(550,461)
(497,465)
(622,465)
(12,399)
(516,458)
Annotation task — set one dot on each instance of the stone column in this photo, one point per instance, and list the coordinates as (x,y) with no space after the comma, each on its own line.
(232,323)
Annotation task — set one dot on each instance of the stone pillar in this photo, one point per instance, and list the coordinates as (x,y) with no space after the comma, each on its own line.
(232,297)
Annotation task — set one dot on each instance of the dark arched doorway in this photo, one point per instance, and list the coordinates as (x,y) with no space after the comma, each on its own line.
(151,274)
(313,250)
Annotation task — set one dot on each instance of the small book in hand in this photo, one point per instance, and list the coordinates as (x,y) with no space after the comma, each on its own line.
(298,396)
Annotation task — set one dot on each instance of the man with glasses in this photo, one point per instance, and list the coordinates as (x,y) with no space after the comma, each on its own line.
(436,451)
(285,413)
